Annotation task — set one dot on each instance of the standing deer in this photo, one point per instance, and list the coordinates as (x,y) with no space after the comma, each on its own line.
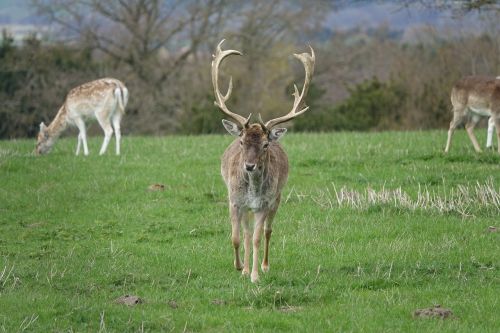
(473,97)
(104,99)
(255,166)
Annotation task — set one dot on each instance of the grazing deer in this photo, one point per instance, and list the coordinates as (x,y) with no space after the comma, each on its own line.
(105,99)
(255,166)
(473,97)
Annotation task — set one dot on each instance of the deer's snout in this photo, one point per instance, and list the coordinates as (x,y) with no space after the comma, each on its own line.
(250,166)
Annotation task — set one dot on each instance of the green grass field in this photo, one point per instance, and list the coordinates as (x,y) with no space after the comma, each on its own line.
(372,226)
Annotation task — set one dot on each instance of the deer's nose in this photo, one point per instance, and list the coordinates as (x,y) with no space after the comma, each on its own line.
(249,166)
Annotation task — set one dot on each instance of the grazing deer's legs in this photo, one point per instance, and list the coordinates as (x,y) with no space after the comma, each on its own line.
(491,127)
(236,214)
(108,131)
(268,229)
(83,135)
(116,119)
(260,217)
(469,127)
(78,145)
(247,231)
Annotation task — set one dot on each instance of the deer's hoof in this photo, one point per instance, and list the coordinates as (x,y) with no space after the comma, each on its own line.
(254,277)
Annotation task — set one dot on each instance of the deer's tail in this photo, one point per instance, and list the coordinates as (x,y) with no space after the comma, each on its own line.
(121,94)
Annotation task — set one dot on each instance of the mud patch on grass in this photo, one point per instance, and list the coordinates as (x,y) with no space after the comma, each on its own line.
(129,300)
(218,302)
(156,188)
(434,312)
(492,229)
(289,309)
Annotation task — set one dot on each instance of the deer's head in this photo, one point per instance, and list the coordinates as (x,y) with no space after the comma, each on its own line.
(43,141)
(254,141)
(256,138)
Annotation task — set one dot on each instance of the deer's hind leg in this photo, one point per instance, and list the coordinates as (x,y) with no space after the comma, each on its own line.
(469,127)
(116,119)
(105,122)
(497,126)
(78,144)
(82,136)
(491,129)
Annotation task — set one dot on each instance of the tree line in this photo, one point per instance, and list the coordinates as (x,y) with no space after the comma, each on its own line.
(365,79)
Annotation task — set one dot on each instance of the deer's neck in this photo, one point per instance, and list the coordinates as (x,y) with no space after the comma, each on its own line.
(59,124)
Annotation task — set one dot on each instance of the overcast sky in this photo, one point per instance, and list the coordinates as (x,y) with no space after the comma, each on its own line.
(366,14)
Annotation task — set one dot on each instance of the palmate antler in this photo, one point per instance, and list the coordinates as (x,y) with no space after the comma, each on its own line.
(220,99)
(299,99)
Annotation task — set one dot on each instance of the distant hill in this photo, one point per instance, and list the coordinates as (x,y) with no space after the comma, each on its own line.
(17,17)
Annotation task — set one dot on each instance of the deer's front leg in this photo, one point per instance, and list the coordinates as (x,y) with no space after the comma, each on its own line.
(457,118)
(268,229)
(247,232)
(236,214)
(260,217)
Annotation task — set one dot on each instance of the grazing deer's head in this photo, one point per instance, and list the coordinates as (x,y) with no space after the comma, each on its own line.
(44,142)
(256,138)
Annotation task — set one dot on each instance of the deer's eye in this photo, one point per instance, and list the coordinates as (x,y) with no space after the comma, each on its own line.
(241,142)
(266,145)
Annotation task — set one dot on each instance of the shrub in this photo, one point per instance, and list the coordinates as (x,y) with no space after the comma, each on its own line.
(372,105)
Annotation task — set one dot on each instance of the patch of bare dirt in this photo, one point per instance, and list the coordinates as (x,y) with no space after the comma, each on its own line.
(434,312)
(492,229)
(129,300)
(156,187)
(173,304)
(35,225)
(218,302)
(289,308)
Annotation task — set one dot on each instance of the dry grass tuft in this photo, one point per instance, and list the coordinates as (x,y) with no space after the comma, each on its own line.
(463,199)
(8,279)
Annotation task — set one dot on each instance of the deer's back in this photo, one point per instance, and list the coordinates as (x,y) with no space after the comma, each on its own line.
(477,92)
(88,97)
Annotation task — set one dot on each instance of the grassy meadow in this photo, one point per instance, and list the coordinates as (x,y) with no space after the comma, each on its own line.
(372,226)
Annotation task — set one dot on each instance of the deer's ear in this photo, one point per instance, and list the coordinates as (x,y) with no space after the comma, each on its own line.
(231,127)
(42,126)
(276,134)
